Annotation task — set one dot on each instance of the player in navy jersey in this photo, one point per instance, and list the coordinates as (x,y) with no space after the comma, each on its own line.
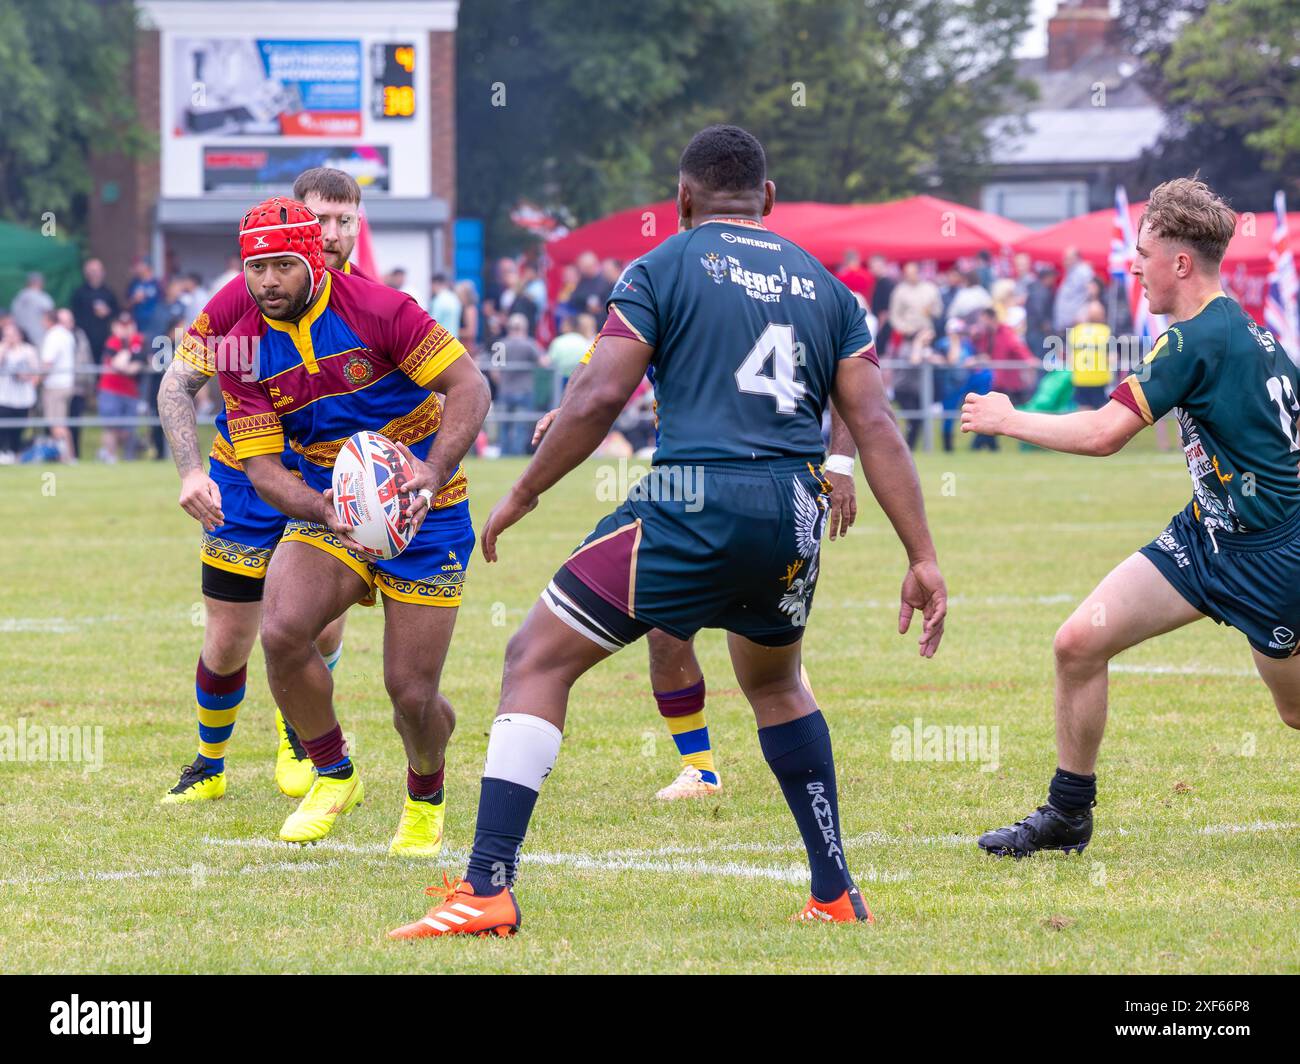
(676,676)
(749,338)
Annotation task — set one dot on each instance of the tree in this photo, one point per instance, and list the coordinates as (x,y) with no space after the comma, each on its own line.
(1222,72)
(586,107)
(1238,67)
(558,100)
(878,100)
(1150,27)
(63,67)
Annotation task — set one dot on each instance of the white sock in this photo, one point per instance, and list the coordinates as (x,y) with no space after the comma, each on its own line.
(333,659)
(522,749)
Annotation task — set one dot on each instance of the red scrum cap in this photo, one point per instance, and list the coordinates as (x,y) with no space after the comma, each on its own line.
(281,226)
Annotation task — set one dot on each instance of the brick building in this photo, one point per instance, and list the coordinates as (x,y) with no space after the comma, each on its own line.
(243,95)
(1090,124)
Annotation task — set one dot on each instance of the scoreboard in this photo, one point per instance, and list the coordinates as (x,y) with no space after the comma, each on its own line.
(394,81)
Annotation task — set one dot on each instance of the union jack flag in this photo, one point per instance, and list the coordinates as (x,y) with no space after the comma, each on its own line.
(345,503)
(1280,306)
(1123,250)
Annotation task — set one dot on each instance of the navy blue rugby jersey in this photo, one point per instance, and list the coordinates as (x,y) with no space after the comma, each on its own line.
(747,330)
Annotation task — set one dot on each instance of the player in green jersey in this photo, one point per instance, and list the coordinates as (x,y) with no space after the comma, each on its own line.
(1233,554)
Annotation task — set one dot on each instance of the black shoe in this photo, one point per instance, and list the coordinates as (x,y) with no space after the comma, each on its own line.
(1043,829)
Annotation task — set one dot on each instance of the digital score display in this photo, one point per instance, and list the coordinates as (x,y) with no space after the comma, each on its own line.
(394,81)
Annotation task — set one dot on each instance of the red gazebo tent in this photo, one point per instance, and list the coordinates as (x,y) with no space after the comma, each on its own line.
(627,234)
(1091,234)
(1245,266)
(920,228)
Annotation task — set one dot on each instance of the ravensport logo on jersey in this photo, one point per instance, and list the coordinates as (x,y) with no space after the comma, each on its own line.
(739,238)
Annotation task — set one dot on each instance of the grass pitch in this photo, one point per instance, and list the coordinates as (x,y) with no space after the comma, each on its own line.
(1192,868)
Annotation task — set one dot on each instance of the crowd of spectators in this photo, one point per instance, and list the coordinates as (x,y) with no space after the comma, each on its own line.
(981,326)
(529,342)
(100,356)
(974,326)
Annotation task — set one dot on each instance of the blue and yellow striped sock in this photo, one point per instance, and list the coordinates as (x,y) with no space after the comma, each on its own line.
(684,712)
(217,699)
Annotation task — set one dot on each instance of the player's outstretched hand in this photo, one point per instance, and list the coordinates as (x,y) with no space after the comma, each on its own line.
(510,510)
(336,526)
(844,503)
(924,590)
(539,430)
(985,414)
(201,499)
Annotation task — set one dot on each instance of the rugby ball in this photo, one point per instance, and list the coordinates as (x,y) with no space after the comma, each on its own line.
(367,473)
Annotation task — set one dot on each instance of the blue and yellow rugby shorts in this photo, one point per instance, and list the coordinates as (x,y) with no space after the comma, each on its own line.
(732,545)
(430,572)
(236,554)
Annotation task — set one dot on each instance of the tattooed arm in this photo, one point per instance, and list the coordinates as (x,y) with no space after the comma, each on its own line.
(200,497)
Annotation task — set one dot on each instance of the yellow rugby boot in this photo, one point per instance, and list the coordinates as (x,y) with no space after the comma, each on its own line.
(198,783)
(326,801)
(419,832)
(294,771)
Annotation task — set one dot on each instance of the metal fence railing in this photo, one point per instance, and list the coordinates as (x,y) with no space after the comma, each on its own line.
(938,386)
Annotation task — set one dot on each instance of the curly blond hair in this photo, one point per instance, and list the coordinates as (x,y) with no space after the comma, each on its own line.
(1187,210)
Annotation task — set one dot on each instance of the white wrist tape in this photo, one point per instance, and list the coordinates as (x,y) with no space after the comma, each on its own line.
(839,463)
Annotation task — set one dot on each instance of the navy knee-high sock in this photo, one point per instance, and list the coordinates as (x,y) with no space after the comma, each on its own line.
(504,810)
(799,754)
(521,753)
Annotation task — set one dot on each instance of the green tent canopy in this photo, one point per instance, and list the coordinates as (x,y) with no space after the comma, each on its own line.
(25,250)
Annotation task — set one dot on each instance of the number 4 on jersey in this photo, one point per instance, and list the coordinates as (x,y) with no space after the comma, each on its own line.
(776,341)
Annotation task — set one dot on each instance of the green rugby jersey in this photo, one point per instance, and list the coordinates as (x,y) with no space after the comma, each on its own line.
(1236,394)
(748,330)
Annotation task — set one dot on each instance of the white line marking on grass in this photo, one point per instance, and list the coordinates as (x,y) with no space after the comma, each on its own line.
(597,862)
(53,625)
(610,861)
(614,861)
(167,873)
(1258,825)
(1179,670)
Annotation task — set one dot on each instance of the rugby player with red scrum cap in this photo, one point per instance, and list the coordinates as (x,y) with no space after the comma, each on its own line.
(239,530)
(337,354)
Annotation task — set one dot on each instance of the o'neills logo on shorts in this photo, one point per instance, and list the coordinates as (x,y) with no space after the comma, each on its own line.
(1283,639)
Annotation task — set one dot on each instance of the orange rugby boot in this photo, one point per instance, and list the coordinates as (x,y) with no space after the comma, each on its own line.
(847,908)
(461,912)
